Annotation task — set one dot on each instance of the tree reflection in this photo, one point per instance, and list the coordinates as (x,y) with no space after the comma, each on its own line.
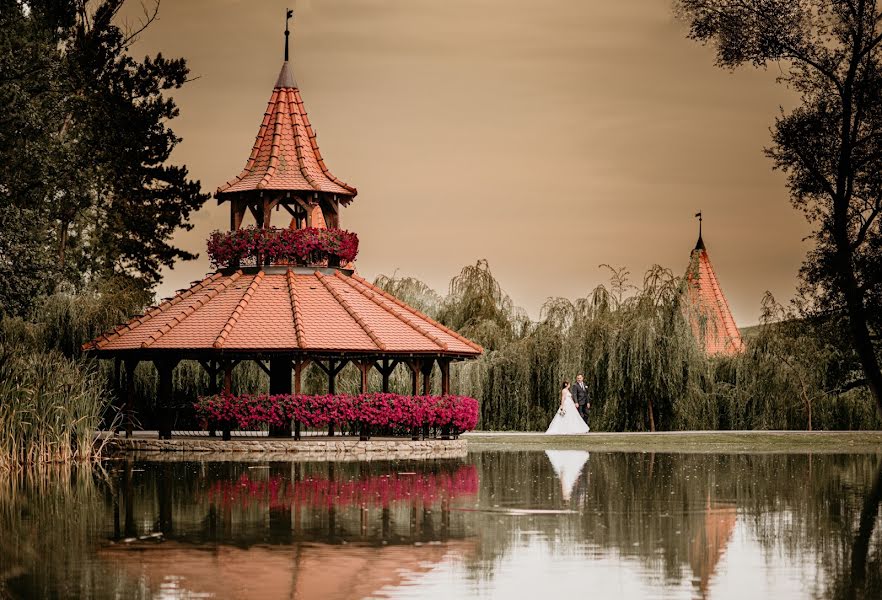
(676,513)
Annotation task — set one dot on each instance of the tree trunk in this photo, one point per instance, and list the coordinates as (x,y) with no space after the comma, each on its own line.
(863,344)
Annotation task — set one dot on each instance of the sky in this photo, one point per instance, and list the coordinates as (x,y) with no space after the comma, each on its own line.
(547,137)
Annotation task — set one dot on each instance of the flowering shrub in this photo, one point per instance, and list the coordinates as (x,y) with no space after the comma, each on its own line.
(379,410)
(310,246)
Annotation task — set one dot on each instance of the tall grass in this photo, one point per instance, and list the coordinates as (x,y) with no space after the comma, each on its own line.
(52,401)
(50,408)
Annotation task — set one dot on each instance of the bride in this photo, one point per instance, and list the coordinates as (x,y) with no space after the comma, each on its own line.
(567,420)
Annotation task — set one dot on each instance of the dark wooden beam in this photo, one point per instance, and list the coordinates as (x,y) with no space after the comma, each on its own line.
(165,368)
(445,375)
(227,366)
(427,366)
(280,383)
(263,367)
(129,410)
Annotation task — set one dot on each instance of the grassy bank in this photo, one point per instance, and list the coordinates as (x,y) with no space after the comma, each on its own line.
(823,442)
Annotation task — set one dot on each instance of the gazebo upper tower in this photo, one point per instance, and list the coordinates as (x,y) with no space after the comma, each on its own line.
(287,298)
(285,168)
(712,321)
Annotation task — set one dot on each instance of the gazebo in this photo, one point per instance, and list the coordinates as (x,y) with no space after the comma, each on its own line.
(283,297)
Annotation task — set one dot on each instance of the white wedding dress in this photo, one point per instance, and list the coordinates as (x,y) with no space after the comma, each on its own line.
(570,422)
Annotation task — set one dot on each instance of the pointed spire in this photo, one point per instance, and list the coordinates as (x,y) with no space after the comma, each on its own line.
(711,319)
(285,155)
(288,14)
(699,245)
(286,78)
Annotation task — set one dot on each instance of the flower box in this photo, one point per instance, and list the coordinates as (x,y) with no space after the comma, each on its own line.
(252,246)
(395,414)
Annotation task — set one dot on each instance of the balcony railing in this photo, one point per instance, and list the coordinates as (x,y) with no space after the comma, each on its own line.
(311,247)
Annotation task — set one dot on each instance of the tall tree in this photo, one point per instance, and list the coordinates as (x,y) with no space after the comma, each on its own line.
(829,146)
(86,191)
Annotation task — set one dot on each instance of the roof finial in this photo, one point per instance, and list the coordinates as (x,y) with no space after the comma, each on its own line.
(700,244)
(288,15)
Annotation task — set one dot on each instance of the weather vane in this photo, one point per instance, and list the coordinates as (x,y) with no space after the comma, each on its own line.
(289,14)
(698,214)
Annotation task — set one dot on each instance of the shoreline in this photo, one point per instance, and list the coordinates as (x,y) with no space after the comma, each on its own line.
(700,442)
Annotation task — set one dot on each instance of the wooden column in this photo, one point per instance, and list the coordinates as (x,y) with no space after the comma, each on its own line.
(385,367)
(118,391)
(299,365)
(237,213)
(334,367)
(332,389)
(427,366)
(280,383)
(444,364)
(129,410)
(385,372)
(364,366)
(228,389)
(165,398)
(212,368)
(414,376)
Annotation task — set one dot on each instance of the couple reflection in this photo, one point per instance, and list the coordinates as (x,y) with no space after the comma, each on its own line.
(568,465)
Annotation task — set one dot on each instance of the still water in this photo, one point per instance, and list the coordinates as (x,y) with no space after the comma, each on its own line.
(514,524)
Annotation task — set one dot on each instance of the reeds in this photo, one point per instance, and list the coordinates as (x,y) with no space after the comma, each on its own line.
(50,408)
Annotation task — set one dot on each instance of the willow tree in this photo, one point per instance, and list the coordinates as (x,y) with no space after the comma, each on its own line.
(829,146)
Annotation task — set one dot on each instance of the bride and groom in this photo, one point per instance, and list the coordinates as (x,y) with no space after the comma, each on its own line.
(572,416)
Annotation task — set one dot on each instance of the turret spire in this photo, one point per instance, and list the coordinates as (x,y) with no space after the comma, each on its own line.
(288,15)
(699,245)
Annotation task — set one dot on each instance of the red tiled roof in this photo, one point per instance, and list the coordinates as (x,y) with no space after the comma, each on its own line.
(290,310)
(712,321)
(286,155)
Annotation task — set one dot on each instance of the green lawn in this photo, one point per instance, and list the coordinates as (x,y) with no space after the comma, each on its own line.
(849,442)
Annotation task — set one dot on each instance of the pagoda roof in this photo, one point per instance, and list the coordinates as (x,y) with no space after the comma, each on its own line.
(711,318)
(285,309)
(285,155)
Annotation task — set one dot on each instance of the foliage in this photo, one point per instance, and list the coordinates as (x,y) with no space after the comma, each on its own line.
(477,308)
(390,412)
(830,145)
(643,367)
(86,193)
(412,292)
(309,246)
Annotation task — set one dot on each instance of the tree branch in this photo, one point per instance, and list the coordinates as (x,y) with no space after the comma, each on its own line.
(148,19)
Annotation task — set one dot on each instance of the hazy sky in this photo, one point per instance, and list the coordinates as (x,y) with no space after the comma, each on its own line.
(547,137)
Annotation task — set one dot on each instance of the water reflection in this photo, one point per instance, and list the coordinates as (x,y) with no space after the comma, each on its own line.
(500,524)
(568,465)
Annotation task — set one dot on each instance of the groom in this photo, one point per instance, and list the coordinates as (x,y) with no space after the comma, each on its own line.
(580,395)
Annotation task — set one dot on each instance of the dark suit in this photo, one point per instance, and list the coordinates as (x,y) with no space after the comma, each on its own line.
(580,396)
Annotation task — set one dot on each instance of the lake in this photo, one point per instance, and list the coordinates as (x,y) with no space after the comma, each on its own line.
(497,524)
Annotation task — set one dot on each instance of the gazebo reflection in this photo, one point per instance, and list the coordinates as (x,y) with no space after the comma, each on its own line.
(281,503)
(288,530)
(313,571)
